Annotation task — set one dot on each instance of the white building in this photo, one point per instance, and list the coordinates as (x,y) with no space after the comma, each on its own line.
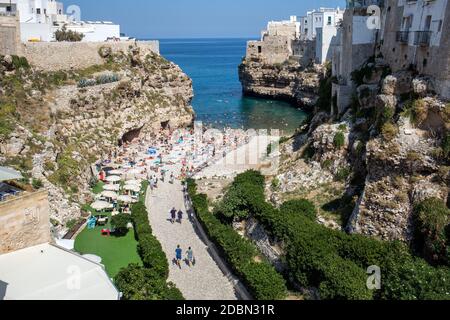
(288,28)
(39,19)
(49,272)
(326,34)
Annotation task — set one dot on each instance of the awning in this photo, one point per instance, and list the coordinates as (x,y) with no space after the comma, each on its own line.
(9,174)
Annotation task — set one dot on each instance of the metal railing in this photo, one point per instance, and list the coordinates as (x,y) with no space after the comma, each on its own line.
(402,36)
(422,38)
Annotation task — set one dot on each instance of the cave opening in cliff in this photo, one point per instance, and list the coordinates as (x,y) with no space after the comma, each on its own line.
(130,136)
(165,125)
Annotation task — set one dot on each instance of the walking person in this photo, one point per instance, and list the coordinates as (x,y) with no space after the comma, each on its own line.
(171,178)
(180,216)
(173,215)
(190,257)
(178,256)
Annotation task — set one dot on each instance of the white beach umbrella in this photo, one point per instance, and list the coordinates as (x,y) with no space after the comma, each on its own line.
(113,179)
(131,187)
(111,187)
(116,172)
(110,194)
(125,199)
(133,183)
(101,205)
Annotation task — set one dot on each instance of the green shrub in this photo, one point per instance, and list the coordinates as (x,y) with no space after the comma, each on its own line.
(300,207)
(120,224)
(431,218)
(37,184)
(68,35)
(389,131)
(339,140)
(446,145)
(343,174)
(260,277)
(138,283)
(20,62)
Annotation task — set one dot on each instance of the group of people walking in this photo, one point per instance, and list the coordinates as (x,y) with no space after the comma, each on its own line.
(190,260)
(176,216)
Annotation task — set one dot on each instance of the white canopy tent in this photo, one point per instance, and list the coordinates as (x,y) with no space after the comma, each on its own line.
(110,195)
(125,199)
(48,272)
(101,205)
(111,187)
(113,179)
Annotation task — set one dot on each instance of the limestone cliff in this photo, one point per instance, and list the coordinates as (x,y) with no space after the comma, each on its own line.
(367,168)
(288,81)
(55,125)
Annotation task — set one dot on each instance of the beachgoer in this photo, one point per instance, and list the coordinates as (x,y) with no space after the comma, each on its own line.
(173,215)
(178,255)
(180,216)
(190,257)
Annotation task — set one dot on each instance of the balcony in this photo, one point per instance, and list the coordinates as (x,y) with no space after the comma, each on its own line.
(402,37)
(422,38)
(364,3)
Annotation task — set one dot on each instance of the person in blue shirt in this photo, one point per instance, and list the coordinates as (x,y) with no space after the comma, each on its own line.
(179,255)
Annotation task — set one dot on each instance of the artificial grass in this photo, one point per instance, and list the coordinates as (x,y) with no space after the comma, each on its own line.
(98,188)
(116,252)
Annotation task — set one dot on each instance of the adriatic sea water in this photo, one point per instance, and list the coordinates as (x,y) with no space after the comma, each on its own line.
(213,66)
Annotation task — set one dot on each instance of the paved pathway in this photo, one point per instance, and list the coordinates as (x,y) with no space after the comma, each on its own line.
(205,281)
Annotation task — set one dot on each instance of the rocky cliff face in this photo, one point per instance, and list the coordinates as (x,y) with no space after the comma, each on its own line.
(289,81)
(367,169)
(56,125)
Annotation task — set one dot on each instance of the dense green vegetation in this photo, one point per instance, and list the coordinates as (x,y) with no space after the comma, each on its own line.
(148,282)
(332,261)
(258,275)
(432,218)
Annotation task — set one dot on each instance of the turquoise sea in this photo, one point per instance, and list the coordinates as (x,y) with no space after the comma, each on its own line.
(213,66)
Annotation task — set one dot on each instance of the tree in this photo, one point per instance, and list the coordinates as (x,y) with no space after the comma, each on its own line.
(120,224)
(68,35)
(138,283)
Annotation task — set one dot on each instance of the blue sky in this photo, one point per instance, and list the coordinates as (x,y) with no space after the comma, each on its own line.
(195,18)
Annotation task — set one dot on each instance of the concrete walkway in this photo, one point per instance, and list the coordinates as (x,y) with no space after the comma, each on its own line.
(205,281)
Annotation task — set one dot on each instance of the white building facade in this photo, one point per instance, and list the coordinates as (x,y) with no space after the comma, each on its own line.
(39,19)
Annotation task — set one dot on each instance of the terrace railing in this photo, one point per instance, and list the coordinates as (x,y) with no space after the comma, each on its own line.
(422,38)
(402,36)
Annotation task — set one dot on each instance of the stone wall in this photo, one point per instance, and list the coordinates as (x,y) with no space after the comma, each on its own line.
(272,50)
(433,61)
(24,222)
(9,35)
(53,56)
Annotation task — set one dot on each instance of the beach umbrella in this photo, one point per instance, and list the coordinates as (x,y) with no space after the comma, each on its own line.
(101,205)
(132,187)
(125,199)
(110,194)
(113,179)
(133,183)
(111,187)
(116,172)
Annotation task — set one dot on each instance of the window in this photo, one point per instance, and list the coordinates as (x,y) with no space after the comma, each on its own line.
(259,49)
(428,23)
(440,26)
(329,21)
(38,11)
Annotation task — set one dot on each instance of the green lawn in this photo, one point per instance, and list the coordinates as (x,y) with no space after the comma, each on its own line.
(116,252)
(98,187)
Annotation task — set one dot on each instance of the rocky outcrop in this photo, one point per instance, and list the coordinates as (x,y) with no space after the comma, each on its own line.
(74,125)
(289,81)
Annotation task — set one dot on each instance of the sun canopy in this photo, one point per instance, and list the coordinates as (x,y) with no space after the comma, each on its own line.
(110,194)
(125,199)
(47,272)
(111,187)
(9,174)
(113,179)
(132,187)
(101,205)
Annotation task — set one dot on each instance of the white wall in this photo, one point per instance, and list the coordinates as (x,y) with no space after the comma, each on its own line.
(361,33)
(40,31)
(101,32)
(419,10)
